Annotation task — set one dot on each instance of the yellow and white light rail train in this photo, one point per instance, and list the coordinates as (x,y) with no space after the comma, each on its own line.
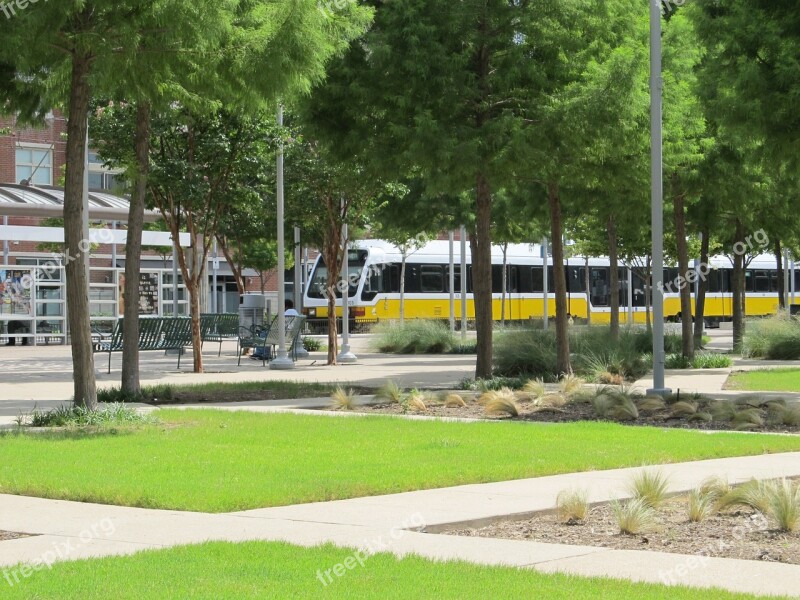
(374,291)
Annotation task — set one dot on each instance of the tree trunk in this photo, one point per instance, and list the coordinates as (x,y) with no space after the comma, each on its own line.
(613,281)
(781,288)
(481,248)
(133,251)
(687,335)
(504,284)
(702,288)
(80,327)
(237,270)
(738,289)
(194,303)
(563,364)
(403,287)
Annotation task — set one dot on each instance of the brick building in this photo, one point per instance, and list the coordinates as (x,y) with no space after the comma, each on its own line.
(32,161)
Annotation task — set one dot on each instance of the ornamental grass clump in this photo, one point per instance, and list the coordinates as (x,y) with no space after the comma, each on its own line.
(701,506)
(454,401)
(650,487)
(572,506)
(783,504)
(390,392)
(342,399)
(633,516)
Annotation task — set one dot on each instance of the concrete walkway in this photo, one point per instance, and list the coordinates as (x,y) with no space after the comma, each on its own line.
(73,530)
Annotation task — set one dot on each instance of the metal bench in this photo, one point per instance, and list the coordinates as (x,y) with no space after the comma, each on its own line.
(254,337)
(155,333)
(219,328)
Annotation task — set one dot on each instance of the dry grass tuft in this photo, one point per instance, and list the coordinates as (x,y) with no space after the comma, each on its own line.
(502,404)
(535,388)
(570,384)
(684,409)
(651,404)
(572,506)
(634,516)
(783,504)
(342,399)
(701,505)
(454,401)
(650,487)
(416,401)
(390,392)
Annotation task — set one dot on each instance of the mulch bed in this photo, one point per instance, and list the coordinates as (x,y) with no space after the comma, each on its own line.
(742,534)
(243,396)
(569,413)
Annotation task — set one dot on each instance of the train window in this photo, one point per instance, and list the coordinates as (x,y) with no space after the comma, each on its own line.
(797,281)
(576,277)
(513,279)
(412,284)
(639,289)
(431,279)
(773,281)
(761,281)
(599,288)
(713,281)
(525,278)
(497,279)
(537,280)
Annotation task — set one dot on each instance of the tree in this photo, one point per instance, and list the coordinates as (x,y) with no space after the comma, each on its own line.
(84,47)
(324,194)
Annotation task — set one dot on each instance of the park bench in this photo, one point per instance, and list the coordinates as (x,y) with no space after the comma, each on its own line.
(155,333)
(219,328)
(254,337)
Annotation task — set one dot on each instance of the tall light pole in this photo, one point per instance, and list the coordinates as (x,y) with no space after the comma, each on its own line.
(282,361)
(452,283)
(345,355)
(657,199)
(463,235)
(545,285)
(300,350)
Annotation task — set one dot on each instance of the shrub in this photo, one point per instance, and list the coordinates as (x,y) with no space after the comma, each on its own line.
(342,399)
(161,391)
(570,384)
(78,416)
(651,487)
(535,388)
(529,352)
(711,360)
(572,506)
(776,338)
(416,336)
(634,516)
(677,361)
(312,344)
(651,404)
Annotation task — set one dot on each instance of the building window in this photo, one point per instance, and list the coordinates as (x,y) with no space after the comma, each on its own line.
(34,165)
(101,178)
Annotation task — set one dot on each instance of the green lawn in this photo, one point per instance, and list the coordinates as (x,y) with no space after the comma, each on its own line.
(766,380)
(219,571)
(218,461)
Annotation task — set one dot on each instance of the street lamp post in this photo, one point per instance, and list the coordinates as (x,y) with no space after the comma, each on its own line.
(345,355)
(282,361)
(657,199)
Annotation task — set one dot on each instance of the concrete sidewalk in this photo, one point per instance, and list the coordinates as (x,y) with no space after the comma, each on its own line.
(72,530)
